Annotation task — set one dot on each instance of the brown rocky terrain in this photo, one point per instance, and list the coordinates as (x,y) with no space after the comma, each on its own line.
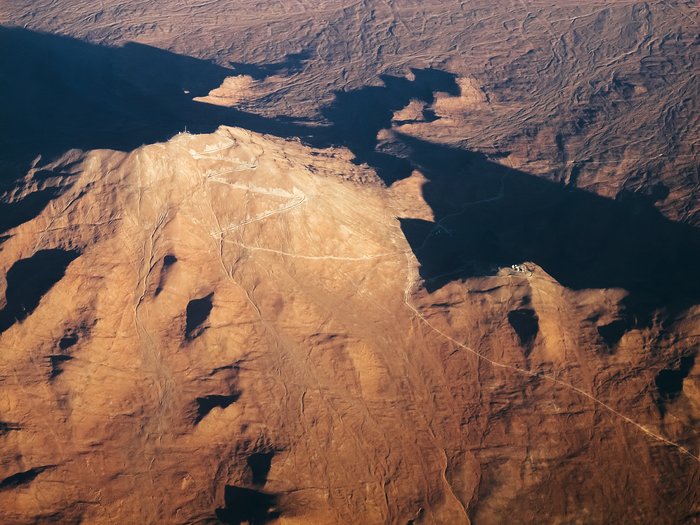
(371,262)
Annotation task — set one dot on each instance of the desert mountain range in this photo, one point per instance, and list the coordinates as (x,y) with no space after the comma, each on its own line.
(372,262)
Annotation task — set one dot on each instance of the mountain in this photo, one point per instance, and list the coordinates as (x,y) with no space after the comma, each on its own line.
(383,262)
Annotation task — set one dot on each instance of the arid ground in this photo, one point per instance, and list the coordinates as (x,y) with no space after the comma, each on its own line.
(402,262)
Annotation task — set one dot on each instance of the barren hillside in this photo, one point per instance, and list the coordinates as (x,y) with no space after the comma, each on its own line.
(349,262)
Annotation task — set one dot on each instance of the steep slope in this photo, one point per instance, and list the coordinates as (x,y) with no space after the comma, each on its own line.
(232,327)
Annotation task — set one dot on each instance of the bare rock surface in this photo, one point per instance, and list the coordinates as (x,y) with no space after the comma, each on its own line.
(373,262)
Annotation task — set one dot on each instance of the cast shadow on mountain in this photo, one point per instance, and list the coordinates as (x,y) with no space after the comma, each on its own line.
(63,93)
(28,280)
(357,116)
(489,216)
(244,505)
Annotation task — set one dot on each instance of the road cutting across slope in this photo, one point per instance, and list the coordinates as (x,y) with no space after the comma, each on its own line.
(407,293)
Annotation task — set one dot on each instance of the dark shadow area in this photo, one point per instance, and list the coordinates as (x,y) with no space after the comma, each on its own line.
(56,362)
(6,426)
(207,403)
(60,93)
(63,93)
(68,340)
(29,279)
(15,213)
(242,505)
(45,174)
(357,116)
(22,478)
(168,261)
(612,332)
(490,216)
(197,312)
(669,382)
(231,370)
(259,464)
(526,325)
